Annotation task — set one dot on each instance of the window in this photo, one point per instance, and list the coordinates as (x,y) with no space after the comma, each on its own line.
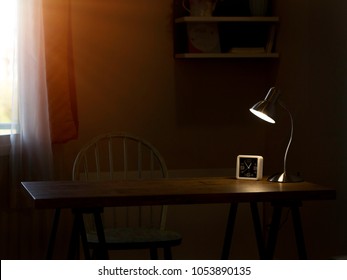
(8,65)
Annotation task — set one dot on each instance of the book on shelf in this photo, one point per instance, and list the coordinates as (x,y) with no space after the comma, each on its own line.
(247,50)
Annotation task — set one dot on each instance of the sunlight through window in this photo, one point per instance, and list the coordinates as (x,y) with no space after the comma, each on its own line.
(8,82)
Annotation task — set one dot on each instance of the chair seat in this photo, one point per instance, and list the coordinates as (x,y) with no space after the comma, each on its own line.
(137,237)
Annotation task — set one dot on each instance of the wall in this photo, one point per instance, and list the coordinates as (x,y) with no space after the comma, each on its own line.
(128,80)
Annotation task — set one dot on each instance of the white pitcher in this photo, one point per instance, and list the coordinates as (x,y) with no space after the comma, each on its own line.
(200,8)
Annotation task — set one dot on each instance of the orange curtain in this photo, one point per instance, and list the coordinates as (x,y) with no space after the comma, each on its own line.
(60,70)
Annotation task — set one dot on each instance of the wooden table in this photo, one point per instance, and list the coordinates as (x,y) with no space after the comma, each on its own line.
(82,195)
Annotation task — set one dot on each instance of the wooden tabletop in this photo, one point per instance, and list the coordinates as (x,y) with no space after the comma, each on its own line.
(70,194)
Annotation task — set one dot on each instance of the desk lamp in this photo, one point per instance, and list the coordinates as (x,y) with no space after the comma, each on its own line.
(266,110)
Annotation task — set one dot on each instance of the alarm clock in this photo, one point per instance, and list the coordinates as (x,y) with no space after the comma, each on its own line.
(249,167)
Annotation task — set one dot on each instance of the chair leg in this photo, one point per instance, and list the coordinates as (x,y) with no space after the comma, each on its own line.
(94,254)
(97,253)
(153,253)
(167,253)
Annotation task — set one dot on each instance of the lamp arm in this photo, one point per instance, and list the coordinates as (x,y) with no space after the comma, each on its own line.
(291,136)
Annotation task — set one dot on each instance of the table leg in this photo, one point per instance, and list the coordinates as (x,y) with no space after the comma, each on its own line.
(229,231)
(83,235)
(275,225)
(258,230)
(74,239)
(273,233)
(101,235)
(299,233)
(78,231)
(53,235)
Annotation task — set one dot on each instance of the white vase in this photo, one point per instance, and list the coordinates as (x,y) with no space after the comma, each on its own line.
(258,7)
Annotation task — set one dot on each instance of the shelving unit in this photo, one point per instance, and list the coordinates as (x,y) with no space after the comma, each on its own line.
(227,19)
(238,34)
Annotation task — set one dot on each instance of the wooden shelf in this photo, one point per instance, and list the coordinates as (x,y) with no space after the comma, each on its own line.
(227,55)
(226,19)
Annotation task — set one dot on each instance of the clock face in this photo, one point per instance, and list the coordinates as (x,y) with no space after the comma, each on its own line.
(248,167)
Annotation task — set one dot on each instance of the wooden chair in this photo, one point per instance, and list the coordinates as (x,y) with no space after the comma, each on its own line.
(120,156)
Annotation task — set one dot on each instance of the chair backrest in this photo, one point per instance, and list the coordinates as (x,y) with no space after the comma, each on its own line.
(121,156)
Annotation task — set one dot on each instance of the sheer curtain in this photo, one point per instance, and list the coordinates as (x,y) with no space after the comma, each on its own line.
(31,150)
(44,111)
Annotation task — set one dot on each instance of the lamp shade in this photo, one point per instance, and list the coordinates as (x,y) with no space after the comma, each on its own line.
(266,109)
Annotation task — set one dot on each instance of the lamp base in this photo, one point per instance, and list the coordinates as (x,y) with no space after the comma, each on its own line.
(285,178)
